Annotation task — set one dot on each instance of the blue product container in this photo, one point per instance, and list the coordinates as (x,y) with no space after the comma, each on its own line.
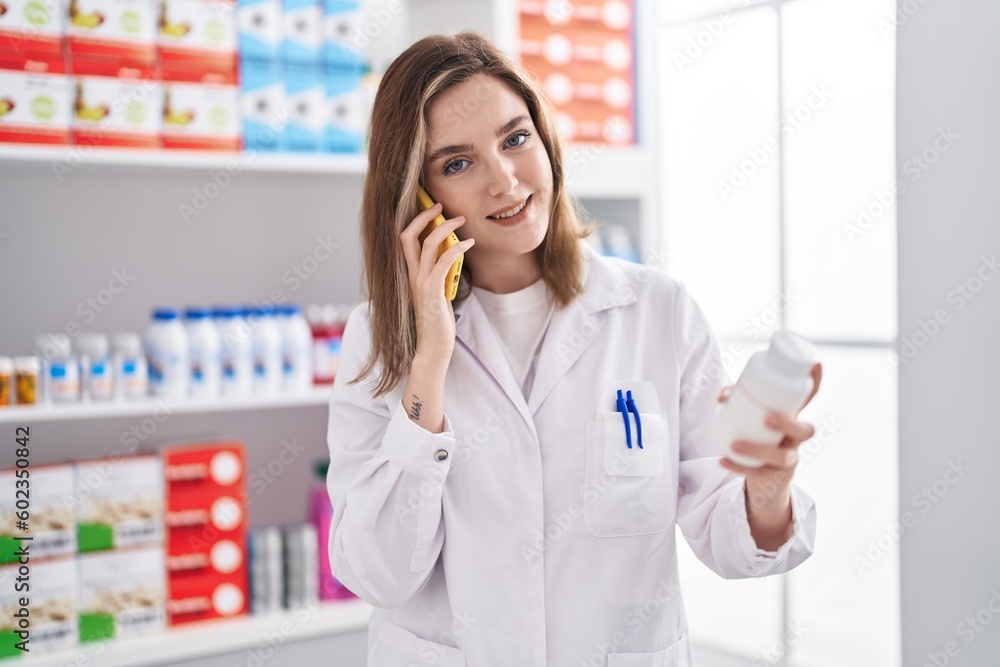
(260,30)
(342,37)
(305,102)
(345,114)
(262,105)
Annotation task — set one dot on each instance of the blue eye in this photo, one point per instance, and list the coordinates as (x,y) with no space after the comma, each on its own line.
(447,171)
(524,134)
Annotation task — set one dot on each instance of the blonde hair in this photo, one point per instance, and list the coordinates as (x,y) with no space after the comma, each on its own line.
(412,81)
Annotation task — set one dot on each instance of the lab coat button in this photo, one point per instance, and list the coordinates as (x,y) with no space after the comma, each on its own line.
(441,455)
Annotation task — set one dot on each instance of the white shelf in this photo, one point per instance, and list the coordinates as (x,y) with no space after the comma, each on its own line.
(75,156)
(34,414)
(215,637)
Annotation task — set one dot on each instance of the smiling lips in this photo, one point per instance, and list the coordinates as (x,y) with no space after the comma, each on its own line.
(512,212)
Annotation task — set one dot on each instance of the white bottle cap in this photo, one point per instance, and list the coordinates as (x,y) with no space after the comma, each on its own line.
(791,353)
(27,365)
(314,313)
(53,346)
(329,314)
(127,344)
(94,345)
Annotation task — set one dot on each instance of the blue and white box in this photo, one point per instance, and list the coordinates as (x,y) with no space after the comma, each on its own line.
(341,28)
(346,114)
(305,101)
(303,28)
(262,105)
(261,30)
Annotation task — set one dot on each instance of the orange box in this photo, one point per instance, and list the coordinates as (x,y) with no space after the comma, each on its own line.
(206,527)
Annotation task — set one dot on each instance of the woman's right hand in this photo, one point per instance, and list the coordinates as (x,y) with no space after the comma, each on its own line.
(434,314)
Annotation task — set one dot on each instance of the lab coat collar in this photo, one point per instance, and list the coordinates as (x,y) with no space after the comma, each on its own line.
(571,330)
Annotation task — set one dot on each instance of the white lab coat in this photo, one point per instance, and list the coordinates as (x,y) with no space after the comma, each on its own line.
(491,544)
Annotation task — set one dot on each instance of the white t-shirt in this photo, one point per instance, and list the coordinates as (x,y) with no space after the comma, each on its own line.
(520,320)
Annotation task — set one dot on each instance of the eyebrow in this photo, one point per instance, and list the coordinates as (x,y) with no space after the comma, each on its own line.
(468,148)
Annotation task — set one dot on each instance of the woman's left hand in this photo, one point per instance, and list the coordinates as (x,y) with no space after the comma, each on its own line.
(775,476)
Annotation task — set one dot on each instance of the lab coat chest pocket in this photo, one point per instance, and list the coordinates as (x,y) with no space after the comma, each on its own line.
(627,491)
(675,655)
(397,647)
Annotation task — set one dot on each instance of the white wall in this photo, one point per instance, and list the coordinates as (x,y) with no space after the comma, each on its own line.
(949,76)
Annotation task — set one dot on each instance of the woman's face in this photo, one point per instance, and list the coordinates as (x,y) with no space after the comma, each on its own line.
(484,158)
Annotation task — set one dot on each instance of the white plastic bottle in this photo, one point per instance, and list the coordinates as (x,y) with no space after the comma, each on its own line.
(205,354)
(237,351)
(61,371)
(98,384)
(267,364)
(131,371)
(296,345)
(167,354)
(777,379)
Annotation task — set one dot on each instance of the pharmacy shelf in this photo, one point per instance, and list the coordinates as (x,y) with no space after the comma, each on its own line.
(69,158)
(593,170)
(216,638)
(33,414)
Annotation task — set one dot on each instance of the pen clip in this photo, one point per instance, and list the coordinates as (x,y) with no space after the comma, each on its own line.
(620,404)
(638,423)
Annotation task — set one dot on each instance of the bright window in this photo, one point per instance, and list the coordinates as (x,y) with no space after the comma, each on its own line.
(776,126)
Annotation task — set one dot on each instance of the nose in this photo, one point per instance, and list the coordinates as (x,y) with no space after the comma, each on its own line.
(501,175)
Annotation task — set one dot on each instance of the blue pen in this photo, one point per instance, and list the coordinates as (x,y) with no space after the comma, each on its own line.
(620,403)
(638,424)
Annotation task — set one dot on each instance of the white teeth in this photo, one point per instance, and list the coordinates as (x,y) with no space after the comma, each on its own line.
(513,211)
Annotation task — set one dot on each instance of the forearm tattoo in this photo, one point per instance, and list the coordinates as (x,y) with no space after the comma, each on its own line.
(415,410)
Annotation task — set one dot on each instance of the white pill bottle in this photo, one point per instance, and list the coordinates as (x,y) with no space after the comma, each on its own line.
(775,380)
(167,355)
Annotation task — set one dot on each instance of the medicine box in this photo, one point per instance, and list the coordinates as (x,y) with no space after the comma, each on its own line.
(122,107)
(119,502)
(341,31)
(306,104)
(346,114)
(32,28)
(262,105)
(260,30)
(121,593)
(35,98)
(303,32)
(197,41)
(123,30)
(206,530)
(50,520)
(50,589)
(201,116)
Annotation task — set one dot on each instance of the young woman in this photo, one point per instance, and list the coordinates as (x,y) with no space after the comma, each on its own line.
(487,500)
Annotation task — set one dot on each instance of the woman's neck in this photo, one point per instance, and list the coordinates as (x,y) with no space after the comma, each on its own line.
(503,274)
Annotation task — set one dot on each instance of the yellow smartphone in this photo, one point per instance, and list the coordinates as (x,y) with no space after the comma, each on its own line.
(425,202)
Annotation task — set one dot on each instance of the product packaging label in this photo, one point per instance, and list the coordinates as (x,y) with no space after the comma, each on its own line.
(303,32)
(197,36)
(341,30)
(262,104)
(117,29)
(346,114)
(201,116)
(121,593)
(206,518)
(305,101)
(51,593)
(260,30)
(51,523)
(120,502)
(32,26)
(111,111)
